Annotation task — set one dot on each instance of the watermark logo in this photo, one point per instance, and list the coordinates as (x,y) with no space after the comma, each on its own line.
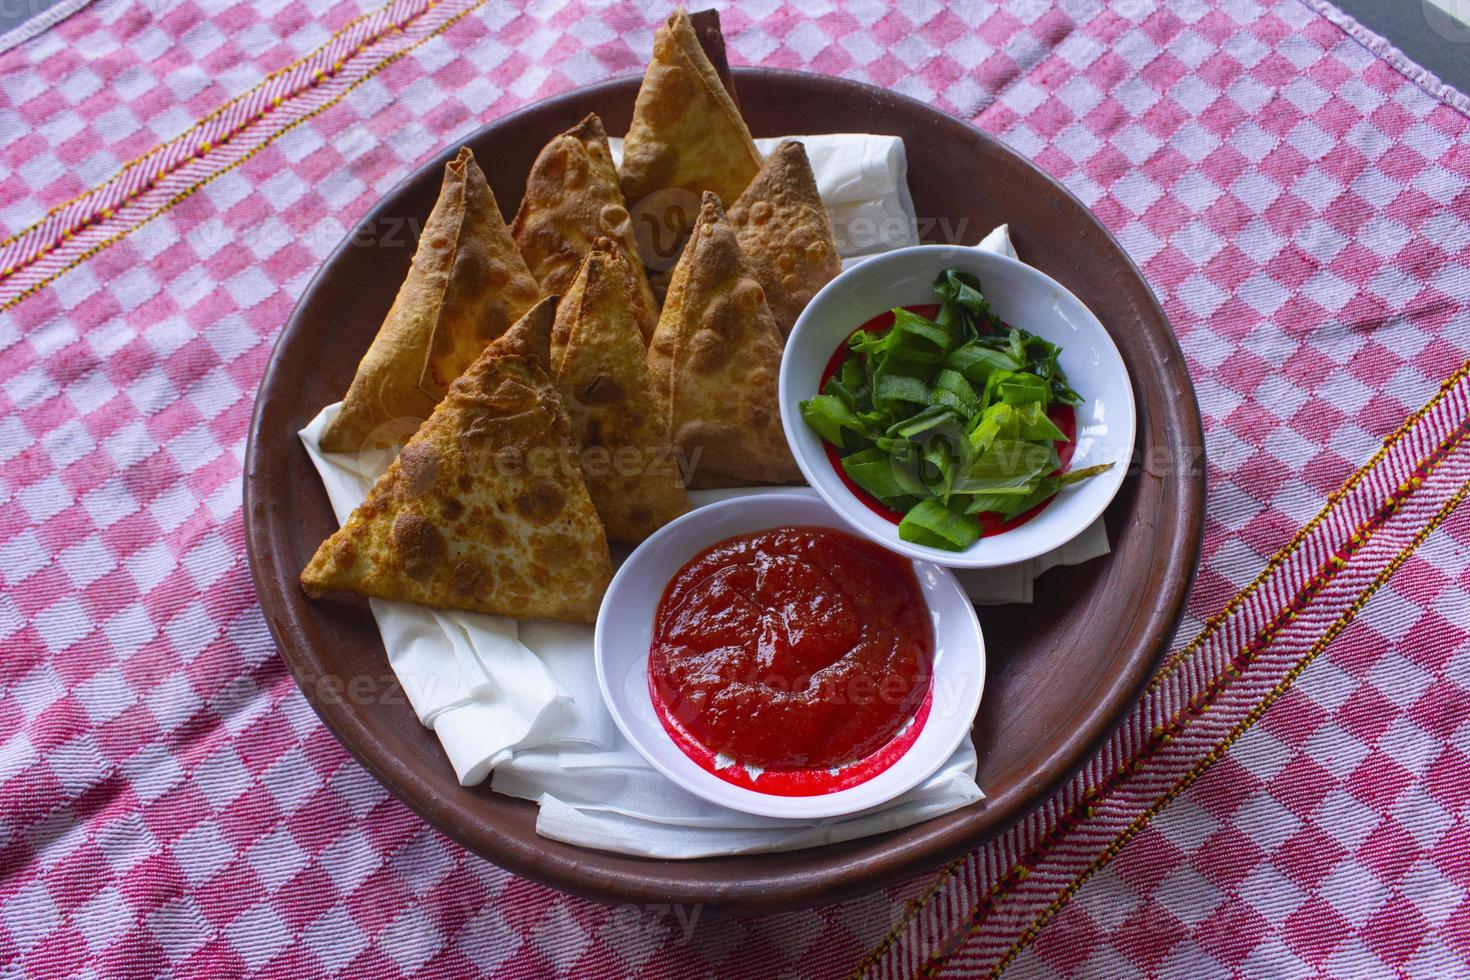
(633,926)
(661,221)
(507,459)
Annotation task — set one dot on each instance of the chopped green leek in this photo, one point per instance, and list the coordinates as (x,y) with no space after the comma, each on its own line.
(948,418)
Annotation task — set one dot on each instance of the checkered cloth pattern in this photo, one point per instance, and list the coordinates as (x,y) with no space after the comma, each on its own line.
(1292,794)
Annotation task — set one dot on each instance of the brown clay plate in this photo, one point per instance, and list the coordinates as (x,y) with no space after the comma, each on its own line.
(1062,671)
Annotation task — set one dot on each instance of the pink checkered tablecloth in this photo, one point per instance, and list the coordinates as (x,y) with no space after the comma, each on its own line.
(1291,796)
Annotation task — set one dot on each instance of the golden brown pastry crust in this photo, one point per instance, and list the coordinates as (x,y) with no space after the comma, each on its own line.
(530,336)
(466,285)
(706,24)
(484,509)
(687,133)
(627,461)
(785,231)
(715,360)
(572,199)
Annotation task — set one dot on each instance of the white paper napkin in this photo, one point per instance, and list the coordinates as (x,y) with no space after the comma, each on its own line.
(521,699)
(864,181)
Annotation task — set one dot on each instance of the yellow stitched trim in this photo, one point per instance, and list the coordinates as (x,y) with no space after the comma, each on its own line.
(1336,497)
(203,150)
(1211,625)
(1214,755)
(267,141)
(279,72)
(910,907)
(1133,764)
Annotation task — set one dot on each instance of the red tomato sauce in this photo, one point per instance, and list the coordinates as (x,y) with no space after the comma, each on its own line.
(1064,417)
(792,660)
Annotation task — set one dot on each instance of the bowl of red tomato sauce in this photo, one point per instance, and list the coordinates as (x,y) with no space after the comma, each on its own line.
(765,658)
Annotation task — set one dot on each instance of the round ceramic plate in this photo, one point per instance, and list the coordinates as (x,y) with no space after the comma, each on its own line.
(1102,626)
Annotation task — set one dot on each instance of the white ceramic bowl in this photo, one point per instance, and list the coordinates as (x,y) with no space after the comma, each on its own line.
(625,632)
(1022,296)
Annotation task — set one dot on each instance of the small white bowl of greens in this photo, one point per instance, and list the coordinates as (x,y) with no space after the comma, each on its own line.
(957,406)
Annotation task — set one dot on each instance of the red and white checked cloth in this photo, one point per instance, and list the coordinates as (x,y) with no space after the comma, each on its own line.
(1293,793)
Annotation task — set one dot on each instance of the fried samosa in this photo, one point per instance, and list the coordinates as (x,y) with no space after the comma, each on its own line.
(530,336)
(572,199)
(631,271)
(687,137)
(630,470)
(706,24)
(466,285)
(484,509)
(715,360)
(784,230)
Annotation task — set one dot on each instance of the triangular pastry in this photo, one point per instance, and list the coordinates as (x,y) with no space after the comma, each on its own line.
(715,360)
(466,285)
(786,233)
(572,199)
(687,137)
(530,336)
(631,473)
(484,509)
